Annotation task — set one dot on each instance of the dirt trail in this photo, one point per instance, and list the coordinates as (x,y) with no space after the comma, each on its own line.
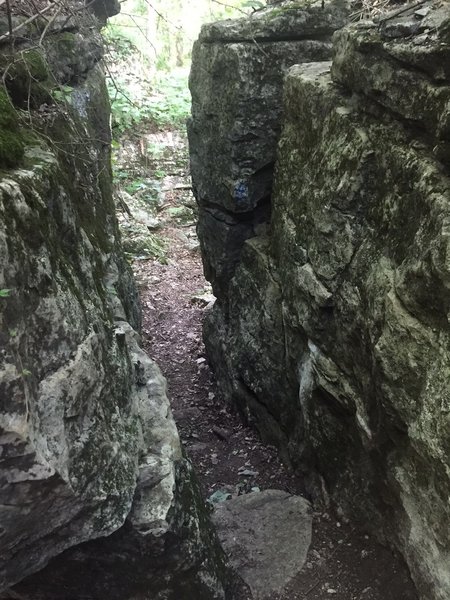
(228,457)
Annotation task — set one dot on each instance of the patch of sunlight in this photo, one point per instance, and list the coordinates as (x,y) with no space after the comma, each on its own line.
(149,46)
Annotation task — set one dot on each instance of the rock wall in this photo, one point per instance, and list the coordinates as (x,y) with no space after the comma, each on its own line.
(331,333)
(93,482)
(236,85)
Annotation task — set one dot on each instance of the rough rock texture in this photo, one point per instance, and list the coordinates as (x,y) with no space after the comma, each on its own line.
(236,85)
(267,536)
(88,446)
(167,549)
(332,335)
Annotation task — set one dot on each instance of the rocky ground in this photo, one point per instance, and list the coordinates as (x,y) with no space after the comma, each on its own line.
(157,215)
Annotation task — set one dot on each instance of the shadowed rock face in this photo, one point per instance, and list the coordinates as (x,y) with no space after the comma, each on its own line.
(236,84)
(332,333)
(89,452)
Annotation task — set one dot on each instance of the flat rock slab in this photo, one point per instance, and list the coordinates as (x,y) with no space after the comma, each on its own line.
(266,536)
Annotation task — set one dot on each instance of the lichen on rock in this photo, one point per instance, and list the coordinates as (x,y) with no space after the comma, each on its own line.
(236,84)
(27,78)
(90,458)
(331,330)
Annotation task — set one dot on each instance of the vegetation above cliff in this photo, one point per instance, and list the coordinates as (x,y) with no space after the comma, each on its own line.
(148,57)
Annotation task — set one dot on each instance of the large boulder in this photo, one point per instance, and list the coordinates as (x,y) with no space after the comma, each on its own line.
(89,452)
(166,548)
(332,335)
(236,84)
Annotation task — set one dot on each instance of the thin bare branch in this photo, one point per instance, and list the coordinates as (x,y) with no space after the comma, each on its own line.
(9,35)
(49,22)
(230,6)
(399,11)
(116,87)
(160,15)
(9,16)
(36,8)
(147,39)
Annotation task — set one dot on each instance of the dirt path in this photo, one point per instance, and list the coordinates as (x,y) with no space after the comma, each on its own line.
(228,457)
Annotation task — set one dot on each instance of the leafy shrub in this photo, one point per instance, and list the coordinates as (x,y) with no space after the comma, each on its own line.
(167,101)
(135,97)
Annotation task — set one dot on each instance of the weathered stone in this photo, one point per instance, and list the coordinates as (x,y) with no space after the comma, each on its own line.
(366,62)
(166,548)
(236,83)
(105,8)
(332,334)
(267,536)
(288,21)
(71,55)
(93,483)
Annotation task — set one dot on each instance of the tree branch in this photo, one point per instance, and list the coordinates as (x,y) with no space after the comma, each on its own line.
(9,35)
(230,6)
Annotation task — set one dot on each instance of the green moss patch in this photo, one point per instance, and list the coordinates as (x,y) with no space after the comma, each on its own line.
(66,45)
(11,140)
(27,78)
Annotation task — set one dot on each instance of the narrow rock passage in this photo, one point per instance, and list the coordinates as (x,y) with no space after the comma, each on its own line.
(229,458)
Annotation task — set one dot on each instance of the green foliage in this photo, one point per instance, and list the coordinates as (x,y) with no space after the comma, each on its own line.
(149,245)
(4,293)
(171,102)
(120,175)
(167,101)
(63,93)
(119,39)
(135,186)
(182,214)
(176,211)
(155,151)
(163,31)
(125,113)
(256,4)
(149,47)
(146,189)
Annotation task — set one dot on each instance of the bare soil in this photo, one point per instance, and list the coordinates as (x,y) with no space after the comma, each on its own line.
(229,458)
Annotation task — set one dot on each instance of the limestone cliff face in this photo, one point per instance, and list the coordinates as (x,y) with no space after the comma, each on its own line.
(88,446)
(332,331)
(236,85)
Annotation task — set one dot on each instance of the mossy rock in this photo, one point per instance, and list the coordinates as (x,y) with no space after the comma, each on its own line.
(27,79)
(141,244)
(11,140)
(66,44)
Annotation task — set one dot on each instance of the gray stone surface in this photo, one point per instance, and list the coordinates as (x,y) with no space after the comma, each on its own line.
(236,84)
(166,549)
(332,335)
(93,483)
(266,536)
